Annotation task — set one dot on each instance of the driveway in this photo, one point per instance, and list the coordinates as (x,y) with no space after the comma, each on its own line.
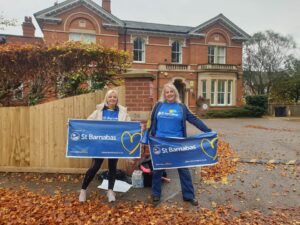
(258,186)
(263,138)
(253,187)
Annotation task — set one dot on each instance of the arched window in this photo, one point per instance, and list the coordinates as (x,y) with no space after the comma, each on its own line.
(176,52)
(82,37)
(138,50)
(82,30)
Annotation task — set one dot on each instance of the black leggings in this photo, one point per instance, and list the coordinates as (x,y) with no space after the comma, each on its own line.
(96,164)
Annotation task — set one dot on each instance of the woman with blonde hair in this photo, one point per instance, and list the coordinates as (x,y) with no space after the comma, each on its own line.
(168,119)
(108,110)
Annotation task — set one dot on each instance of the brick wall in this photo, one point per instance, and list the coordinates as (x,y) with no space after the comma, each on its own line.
(23,40)
(138,96)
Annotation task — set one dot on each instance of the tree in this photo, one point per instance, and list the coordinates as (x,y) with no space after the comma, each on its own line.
(266,55)
(6,22)
(286,87)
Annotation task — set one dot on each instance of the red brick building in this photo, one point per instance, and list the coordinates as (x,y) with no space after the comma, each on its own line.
(203,61)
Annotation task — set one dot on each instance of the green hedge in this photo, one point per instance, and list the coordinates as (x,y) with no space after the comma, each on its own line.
(256,106)
(246,111)
(258,101)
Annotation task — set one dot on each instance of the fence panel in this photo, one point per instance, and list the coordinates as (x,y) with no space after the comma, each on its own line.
(34,138)
(14,140)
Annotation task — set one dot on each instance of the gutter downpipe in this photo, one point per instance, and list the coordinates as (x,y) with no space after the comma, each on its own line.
(157,83)
(125,37)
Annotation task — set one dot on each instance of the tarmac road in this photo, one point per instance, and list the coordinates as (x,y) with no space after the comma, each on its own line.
(254,186)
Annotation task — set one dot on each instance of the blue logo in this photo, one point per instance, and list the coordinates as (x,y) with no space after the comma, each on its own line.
(75,136)
(156,150)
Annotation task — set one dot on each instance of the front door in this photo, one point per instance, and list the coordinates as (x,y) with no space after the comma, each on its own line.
(181,89)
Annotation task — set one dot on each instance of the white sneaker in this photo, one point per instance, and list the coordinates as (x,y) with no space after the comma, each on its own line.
(111,196)
(82,196)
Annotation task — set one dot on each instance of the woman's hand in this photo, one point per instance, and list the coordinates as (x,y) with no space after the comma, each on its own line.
(142,127)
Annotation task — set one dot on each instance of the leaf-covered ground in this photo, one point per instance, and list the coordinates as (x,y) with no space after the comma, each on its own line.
(227,165)
(34,204)
(25,207)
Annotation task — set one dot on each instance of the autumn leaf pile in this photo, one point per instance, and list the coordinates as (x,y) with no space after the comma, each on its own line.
(226,165)
(25,207)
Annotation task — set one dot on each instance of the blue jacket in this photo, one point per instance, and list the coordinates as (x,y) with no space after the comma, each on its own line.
(187,116)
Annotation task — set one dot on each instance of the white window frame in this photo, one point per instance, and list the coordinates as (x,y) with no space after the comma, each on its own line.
(82,37)
(178,52)
(221,92)
(213,92)
(229,92)
(218,53)
(142,50)
(204,88)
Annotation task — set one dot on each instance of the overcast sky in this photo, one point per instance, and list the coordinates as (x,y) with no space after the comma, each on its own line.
(282,16)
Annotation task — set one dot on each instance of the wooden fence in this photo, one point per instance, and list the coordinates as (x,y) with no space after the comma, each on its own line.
(290,109)
(34,138)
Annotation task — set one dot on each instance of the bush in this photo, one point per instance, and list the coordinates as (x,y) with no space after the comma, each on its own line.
(71,63)
(246,111)
(258,101)
(255,111)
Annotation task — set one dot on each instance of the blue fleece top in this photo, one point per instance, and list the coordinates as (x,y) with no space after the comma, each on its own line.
(169,120)
(110,114)
(186,116)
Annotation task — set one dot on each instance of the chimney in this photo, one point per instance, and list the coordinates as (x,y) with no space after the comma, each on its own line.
(28,27)
(106,5)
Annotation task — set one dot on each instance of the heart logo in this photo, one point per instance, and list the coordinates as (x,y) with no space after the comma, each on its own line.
(128,147)
(211,143)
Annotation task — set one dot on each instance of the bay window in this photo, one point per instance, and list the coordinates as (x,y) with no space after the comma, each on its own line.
(220,91)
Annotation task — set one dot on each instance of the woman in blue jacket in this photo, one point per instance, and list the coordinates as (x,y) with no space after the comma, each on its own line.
(168,119)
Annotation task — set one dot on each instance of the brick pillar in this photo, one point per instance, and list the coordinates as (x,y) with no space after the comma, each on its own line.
(139,96)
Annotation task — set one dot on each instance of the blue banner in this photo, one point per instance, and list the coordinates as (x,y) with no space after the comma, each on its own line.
(197,150)
(103,139)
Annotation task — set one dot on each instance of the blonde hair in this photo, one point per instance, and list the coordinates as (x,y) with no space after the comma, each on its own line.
(172,87)
(108,93)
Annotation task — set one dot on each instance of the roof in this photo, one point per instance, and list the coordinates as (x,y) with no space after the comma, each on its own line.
(135,26)
(238,32)
(156,27)
(49,14)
